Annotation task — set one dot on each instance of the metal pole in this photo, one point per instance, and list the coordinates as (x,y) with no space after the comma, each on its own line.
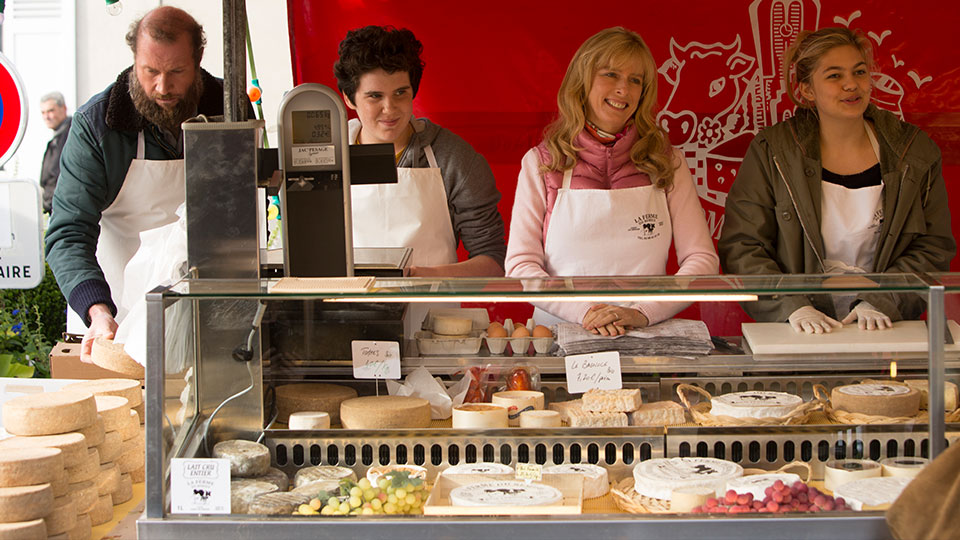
(936,326)
(234,60)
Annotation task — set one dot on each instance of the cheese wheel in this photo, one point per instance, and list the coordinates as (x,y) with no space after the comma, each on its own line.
(84,469)
(126,388)
(138,475)
(247,458)
(311,397)
(320,487)
(905,467)
(244,491)
(85,493)
(451,326)
(108,481)
(480,416)
(102,511)
(479,468)
(277,503)
(892,400)
(83,528)
(838,472)
(93,433)
(124,491)
(49,413)
(658,478)
(110,355)
(505,493)
(414,471)
(309,420)
(25,503)
(755,404)
(60,485)
(23,530)
(872,493)
(595,480)
(72,445)
(111,447)
(132,455)
(923,386)
(539,419)
(30,466)
(140,410)
(518,401)
(131,427)
(385,412)
(309,475)
(276,477)
(114,410)
(62,516)
(685,499)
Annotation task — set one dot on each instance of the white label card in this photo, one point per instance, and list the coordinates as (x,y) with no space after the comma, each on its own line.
(600,371)
(199,486)
(6,219)
(529,471)
(305,156)
(376,359)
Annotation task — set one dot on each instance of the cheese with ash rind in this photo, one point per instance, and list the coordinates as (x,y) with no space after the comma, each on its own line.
(245,490)
(385,412)
(658,478)
(30,466)
(908,467)
(622,400)
(62,516)
(276,477)
(73,445)
(277,503)
(311,397)
(25,503)
(124,491)
(505,493)
(128,388)
(309,475)
(49,413)
(756,484)
(872,493)
(479,468)
(247,458)
(755,404)
(658,413)
(595,480)
(24,530)
(892,400)
(108,481)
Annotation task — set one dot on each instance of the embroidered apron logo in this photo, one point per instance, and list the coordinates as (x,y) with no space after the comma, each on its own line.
(648,226)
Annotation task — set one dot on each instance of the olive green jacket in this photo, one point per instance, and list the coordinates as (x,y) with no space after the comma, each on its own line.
(772,220)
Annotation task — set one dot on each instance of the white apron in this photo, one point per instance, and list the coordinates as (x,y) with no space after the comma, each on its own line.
(606,232)
(149,197)
(411,213)
(850,227)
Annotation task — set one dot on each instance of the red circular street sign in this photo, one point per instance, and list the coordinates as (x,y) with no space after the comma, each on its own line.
(13,109)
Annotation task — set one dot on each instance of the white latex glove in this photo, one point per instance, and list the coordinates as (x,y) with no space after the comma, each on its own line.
(868,317)
(811,321)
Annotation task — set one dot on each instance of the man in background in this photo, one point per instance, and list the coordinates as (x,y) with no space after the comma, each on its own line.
(54,113)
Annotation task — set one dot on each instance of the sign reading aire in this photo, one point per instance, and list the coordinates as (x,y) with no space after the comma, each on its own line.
(21,253)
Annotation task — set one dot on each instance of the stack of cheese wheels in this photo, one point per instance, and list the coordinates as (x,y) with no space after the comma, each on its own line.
(64,424)
(877,399)
(385,412)
(109,355)
(251,475)
(319,397)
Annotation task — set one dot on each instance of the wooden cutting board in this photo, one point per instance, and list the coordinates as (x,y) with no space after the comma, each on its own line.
(780,338)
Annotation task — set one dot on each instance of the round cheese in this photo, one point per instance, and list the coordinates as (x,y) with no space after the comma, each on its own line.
(451,326)
(131,427)
(110,355)
(414,471)
(140,410)
(480,416)
(25,503)
(517,402)
(247,458)
(108,481)
(838,472)
(757,404)
(309,420)
(73,445)
(309,475)
(126,388)
(111,447)
(479,468)
(85,494)
(685,499)
(871,493)
(60,485)
(892,400)
(658,478)
(311,397)
(23,530)
(62,516)
(277,503)
(30,466)
(907,467)
(84,469)
(505,493)
(595,481)
(94,432)
(539,419)
(138,475)
(114,410)
(245,490)
(102,511)
(49,413)
(132,455)
(320,487)
(385,412)
(276,477)
(756,484)
(124,491)
(83,528)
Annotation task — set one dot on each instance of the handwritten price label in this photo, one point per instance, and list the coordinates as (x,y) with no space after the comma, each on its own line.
(600,371)
(376,359)
(529,472)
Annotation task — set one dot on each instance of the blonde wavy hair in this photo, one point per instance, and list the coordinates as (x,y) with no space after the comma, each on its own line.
(608,48)
(801,59)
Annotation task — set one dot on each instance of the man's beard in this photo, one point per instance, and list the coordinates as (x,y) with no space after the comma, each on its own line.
(169,119)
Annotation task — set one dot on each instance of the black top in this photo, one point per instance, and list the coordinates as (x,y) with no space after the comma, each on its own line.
(867,178)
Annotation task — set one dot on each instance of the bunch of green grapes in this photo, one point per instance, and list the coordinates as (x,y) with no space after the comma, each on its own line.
(395,493)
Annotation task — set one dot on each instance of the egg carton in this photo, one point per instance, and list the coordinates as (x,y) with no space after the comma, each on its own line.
(519,346)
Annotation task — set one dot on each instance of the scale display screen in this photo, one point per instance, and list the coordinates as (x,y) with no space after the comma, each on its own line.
(312,127)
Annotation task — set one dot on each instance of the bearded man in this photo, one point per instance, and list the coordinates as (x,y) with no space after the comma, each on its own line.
(122,167)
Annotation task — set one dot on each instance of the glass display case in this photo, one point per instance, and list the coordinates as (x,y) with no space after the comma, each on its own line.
(217,350)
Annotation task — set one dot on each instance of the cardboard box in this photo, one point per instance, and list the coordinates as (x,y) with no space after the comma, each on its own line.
(65,364)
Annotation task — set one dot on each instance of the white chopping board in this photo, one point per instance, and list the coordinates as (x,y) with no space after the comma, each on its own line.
(780,338)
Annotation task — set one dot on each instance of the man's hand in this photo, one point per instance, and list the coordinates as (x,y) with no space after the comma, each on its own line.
(868,317)
(608,320)
(808,320)
(102,324)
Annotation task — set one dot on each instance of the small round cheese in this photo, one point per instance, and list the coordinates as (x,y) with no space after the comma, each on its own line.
(111,447)
(756,404)
(124,492)
(246,490)
(102,511)
(127,388)
(24,530)
(480,416)
(49,413)
(595,481)
(30,466)
(309,420)
(311,397)
(505,493)
(62,516)
(276,477)
(685,499)
(892,400)
(907,467)
(479,468)
(110,355)
(85,469)
(73,445)
(85,493)
(277,503)
(309,475)
(872,493)
(385,412)
(658,478)
(114,410)
(108,481)
(247,458)
(94,432)
(539,419)
(25,503)
(756,484)
(451,326)
(838,472)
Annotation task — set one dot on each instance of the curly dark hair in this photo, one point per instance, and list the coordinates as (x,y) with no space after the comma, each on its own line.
(372,47)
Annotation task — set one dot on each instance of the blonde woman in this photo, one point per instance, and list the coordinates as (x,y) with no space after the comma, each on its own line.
(605,194)
(842,187)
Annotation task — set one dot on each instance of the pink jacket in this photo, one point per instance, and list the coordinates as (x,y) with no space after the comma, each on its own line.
(603,167)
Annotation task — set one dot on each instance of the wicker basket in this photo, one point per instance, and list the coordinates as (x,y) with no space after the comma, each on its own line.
(701,412)
(628,500)
(845,417)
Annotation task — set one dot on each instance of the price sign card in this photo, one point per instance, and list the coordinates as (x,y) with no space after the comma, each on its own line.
(529,472)
(376,359)
(199,486)
(599,371)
